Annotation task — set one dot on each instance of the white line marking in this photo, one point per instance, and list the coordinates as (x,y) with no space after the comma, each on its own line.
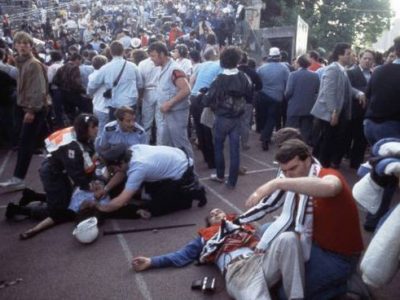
(247,172)
(223,199)
(3,206)
(4,164)
(257,160)
(141,283)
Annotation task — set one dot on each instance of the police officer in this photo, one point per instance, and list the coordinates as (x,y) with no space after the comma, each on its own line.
(68,165)
(122,131)
(165,172)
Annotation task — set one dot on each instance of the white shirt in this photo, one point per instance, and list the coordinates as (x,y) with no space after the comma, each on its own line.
(186,65)
(149,73)
(52,70)
(99,102)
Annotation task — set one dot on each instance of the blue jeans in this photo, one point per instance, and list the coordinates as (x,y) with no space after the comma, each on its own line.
(224,127)
(269,110)
(374,132)
(327,273)
(103,119)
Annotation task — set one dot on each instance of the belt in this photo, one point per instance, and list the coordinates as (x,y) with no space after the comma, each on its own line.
(235,260)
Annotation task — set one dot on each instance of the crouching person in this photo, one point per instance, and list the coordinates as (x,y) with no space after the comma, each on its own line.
(68,165)
(166,173)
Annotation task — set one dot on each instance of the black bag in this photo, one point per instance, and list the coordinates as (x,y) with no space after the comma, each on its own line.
(108,93)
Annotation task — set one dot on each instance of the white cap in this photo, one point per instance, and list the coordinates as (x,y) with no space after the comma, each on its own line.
(86,231)
(274,51)
(136,42)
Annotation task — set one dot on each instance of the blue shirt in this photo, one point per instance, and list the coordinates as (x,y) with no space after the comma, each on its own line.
(80,195)
(85,71)
(155,163)
(126,91)
(205,75)
(113,135)
(274,76)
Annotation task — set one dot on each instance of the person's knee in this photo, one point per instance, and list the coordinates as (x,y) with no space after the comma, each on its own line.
(288,238)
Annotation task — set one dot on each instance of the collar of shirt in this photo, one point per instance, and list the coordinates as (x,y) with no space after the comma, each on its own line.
(117,58)
(397,61)
(340,66)
(230,71)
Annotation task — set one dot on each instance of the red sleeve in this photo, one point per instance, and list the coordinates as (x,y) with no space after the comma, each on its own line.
(176,74)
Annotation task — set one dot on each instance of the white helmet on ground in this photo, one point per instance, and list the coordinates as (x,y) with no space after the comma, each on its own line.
(86,231)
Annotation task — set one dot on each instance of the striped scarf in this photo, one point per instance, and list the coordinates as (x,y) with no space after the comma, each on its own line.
(303,218)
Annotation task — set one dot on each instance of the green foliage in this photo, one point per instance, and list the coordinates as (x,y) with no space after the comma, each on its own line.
(332,21)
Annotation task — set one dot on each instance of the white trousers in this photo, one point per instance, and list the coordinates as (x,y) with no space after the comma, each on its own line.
(251,278)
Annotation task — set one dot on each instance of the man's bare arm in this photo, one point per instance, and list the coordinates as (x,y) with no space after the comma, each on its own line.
(327,186)
(117,202)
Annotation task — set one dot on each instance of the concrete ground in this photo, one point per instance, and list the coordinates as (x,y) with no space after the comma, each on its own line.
(53,265)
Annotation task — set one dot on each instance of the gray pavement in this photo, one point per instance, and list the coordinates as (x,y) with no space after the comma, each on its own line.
(55,266)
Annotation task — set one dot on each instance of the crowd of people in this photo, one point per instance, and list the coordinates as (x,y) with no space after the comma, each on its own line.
(117,98)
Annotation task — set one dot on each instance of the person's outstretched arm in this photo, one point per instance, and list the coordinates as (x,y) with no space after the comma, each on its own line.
(180,258)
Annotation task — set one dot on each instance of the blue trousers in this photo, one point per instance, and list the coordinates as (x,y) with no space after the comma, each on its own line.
(225,127)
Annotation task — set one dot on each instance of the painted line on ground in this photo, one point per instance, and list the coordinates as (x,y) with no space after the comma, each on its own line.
(140,282)
(223,199)
(257,160)
(3,206)
(247,172)
(4,164)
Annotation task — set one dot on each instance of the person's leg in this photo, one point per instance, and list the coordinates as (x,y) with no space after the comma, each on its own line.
(324,144)
(208,146)
(148,112)
(84,105)
(359,145)
(111,111)
(162,134)
(58,189)
(271,106)
(234,151)
(177,124)
(306,125)
(219,139)
(58,108)
(245,280)
(245,126)
(326,273)
(338,143)
(103,119)
(29,133)
(284,261)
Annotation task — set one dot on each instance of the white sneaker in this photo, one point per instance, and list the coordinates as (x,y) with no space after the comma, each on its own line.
(13,184)
(215,178)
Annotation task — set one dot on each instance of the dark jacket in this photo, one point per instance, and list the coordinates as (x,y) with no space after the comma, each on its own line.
(68,78)
(255,78)
(228,95)
(383,92)
(68,159)
(301,92)
(358,81)
(7,89)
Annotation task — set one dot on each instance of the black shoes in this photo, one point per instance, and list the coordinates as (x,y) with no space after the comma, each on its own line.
(29,196)
(11,210)
(202,197)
